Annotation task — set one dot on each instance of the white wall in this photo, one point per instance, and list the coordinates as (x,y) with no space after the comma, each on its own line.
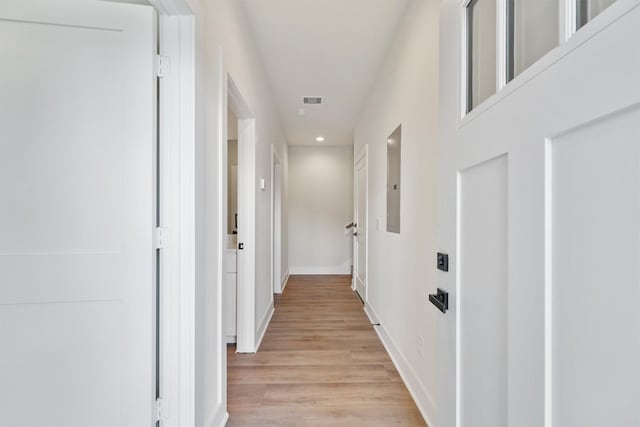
(224,47)
(320,205)
(402,266)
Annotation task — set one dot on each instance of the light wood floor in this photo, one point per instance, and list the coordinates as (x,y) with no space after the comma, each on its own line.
(320,364)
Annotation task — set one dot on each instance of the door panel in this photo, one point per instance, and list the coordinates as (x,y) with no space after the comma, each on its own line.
(483,294)
(595,284)
(77,184)
(61,140)
(53,354)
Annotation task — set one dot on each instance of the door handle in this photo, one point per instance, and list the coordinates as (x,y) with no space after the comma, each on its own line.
(440,300)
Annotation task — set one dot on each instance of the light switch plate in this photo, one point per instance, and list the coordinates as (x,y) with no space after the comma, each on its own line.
(443,261)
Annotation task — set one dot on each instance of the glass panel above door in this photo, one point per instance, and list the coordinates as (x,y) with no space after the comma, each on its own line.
(589,9)
(481,51)
(532,32)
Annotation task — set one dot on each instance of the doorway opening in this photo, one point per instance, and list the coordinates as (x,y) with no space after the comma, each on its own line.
(231,237)
(238,224)
(360,222)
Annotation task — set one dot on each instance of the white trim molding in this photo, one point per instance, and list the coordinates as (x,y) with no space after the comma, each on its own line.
(246,278)
(275,158)
(371,314)
(264,324)
(423,399)
(219,417)
(177,189)
(343,269)
(285,280)
(172,7)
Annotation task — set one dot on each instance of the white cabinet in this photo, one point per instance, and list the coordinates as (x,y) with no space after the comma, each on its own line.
(230,258)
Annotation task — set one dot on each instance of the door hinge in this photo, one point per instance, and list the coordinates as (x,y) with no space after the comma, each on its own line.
(163,66)
(161,409)
(160,238)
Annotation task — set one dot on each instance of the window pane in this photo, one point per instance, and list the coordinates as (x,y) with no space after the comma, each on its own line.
(481,57)
(534,32)
(588,9)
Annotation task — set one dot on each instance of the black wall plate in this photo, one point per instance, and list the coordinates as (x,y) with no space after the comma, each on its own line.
(443,262)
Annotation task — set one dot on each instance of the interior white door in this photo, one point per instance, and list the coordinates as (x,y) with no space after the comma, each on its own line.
(360,230)
(540,214)
(77,120)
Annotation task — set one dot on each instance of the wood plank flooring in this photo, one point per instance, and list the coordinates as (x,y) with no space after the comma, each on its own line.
(320,364)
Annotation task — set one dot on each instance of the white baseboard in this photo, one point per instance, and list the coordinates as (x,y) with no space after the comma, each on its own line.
(285,280)
(219,417)
(418,391)
(263,325)
(371,314)
(335,269)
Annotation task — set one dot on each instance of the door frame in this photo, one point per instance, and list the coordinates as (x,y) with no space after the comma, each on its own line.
(246,283)
(363,156)
(176,133)
(276,242)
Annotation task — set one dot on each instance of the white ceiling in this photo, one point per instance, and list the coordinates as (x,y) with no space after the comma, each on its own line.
(328,48)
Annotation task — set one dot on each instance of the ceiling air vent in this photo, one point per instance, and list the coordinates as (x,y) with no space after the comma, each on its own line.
(312,100)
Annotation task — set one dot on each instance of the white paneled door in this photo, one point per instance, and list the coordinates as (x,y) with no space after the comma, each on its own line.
(77,211)
(540,215)
(360,228)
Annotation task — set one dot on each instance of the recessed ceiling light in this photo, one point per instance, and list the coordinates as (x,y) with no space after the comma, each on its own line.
(320,139)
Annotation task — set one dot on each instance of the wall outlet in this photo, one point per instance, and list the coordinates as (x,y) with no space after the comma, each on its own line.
(420,346)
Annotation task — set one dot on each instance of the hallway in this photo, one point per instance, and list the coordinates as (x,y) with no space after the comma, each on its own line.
(320,363)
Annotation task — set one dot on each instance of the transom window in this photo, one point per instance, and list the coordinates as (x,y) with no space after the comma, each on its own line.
(586,10)
(532,32)
(505,37)
(481,51)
